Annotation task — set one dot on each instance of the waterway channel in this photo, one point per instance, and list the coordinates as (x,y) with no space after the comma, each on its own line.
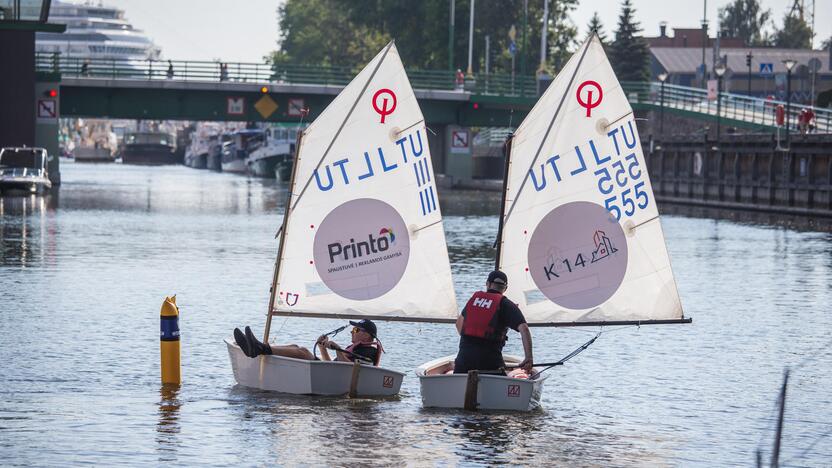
(83,272)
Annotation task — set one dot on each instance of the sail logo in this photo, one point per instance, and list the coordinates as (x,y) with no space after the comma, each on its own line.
(513,391)
(589,104)
(483,302)
(379,97)
(389,232)
(590,259)
(603,246)
(361,249)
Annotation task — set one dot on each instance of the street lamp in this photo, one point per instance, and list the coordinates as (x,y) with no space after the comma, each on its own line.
(789,63)
(719,69)
(662,79)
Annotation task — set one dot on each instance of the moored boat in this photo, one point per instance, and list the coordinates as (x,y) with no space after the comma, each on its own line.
(24,170)
(235,155)
(148,148)
(274,157)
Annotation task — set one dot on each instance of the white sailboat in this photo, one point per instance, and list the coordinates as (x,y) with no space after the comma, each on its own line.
(362,233)
(579,236)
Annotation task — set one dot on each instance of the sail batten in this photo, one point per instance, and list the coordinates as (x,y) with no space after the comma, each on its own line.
(365,236)
(579,239)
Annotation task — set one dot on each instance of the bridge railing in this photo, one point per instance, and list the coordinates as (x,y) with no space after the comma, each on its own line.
(749,109)
(191,70)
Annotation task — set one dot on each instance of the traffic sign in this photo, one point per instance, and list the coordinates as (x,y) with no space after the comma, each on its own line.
(512,48)
(767,68)
(460,141)
(814,64)
(296,106)
(47,108)
(236,106)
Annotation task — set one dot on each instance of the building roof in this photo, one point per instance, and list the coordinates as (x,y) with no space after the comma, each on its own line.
(686,60)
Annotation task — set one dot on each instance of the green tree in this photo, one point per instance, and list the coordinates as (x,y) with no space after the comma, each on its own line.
(795,34)
(562,33)
(595,26)
(629,53)
(746,20)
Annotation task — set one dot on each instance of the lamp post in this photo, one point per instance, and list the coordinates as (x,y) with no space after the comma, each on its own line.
(719,69)
(789,63)
(662,79)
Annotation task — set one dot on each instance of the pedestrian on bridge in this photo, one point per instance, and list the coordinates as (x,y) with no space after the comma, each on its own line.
(170,70)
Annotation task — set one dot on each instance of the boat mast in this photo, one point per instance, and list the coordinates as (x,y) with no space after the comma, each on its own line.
(283,229)
(499,242)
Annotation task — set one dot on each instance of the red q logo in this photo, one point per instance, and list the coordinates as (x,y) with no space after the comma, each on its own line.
(589,104)
(381,98)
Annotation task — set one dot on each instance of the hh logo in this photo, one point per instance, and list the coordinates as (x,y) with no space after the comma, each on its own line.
(481,302)
(514,391)
(388,381)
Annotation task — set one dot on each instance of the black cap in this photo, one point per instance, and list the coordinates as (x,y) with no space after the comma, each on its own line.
(498,277)
(366,325)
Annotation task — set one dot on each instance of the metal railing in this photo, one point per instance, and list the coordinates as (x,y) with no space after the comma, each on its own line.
(752,110)
(240,72)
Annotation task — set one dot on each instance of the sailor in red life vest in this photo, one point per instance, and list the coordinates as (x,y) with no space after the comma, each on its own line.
(365,346)
(483,326)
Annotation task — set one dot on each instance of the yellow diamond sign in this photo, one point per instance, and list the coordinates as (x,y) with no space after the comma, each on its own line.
(265,106)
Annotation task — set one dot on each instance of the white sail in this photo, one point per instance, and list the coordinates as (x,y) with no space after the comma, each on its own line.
(576,166)
(364,234)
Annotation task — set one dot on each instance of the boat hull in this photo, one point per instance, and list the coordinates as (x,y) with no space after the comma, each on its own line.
(83,154)
(148,155)
(214,161)
(263,167)
(494,392)
(198,161)
(12,184)
(235,165)
(302,377)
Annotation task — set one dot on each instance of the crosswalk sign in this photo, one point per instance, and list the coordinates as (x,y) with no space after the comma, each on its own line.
(767,68)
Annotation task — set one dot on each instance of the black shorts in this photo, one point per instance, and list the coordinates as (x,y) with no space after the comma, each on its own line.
(467,360)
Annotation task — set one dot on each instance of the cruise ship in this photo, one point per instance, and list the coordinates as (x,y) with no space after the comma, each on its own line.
(95,31)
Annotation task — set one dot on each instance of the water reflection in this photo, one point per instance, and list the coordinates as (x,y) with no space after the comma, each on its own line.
(168,427)
(24,234)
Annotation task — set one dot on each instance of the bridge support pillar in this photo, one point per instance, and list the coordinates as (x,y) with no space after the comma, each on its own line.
(457,150)
(46,127)
(17,95)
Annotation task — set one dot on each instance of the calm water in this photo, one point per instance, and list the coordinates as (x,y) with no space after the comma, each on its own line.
(83,273)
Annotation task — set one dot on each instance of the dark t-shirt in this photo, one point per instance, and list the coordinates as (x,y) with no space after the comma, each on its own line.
(369,352)
(484,354)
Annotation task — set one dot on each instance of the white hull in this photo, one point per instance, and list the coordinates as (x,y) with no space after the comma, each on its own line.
(494,392)
(301,377)
(235,165)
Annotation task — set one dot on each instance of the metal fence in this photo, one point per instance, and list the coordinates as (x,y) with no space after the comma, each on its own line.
(748,109)
(192,70)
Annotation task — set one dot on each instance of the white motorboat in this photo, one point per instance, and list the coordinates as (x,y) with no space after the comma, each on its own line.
(362,233)
(441,388)
(243,143)
(274,158)
(24,170)
(579,234)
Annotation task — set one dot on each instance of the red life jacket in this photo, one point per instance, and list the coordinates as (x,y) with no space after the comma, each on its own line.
(374,344)
(481,316)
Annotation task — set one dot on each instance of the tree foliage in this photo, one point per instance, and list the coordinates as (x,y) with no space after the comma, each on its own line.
(350,32)
(629,53)
(595,26)
(746,20)
(795,34)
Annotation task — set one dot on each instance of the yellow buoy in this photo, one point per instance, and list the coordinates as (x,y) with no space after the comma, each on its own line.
(169,341)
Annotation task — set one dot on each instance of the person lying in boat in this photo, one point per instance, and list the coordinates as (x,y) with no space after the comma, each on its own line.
(483,328)
(365,346)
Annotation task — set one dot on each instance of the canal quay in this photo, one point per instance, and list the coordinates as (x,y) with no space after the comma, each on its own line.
(664,229)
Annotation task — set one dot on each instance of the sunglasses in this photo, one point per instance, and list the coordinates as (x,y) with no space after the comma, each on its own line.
(356,330)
